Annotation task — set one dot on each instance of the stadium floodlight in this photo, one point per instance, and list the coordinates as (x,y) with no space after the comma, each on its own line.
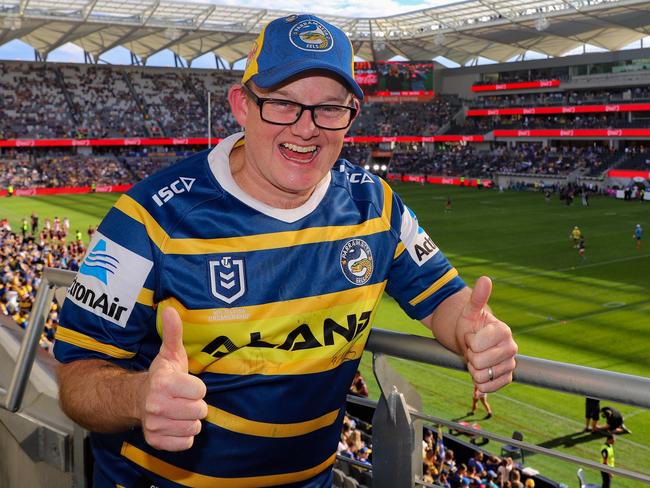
(384,167)
(375,167)
(367,167)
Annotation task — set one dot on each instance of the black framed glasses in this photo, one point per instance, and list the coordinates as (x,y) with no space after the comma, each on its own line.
(286,112)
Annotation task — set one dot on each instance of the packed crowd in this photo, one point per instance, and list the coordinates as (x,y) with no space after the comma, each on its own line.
(96,101)
(32,103)
(126,166)
(567,98)
(529,158)
(610,120)
(408,118)
(58,171)
(441,467)
(24,252)
(44,100)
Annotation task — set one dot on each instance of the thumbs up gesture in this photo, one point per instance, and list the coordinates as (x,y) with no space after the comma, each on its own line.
(171,403)
(490,349)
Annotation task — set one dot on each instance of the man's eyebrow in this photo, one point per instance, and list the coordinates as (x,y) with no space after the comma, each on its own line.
(332,100)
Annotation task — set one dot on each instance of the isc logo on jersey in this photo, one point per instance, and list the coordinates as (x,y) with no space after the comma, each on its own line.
(178,186)
(109,280)
(417,242)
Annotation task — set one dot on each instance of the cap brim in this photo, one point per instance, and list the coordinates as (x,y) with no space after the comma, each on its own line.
(273,77)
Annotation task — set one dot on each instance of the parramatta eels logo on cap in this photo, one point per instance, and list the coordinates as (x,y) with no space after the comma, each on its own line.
(356,261)
(311,35)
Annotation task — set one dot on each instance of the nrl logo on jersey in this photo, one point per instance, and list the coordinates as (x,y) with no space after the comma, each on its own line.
(227,278)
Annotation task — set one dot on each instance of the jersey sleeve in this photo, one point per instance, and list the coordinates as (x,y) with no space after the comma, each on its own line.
(108,312)
(421,277)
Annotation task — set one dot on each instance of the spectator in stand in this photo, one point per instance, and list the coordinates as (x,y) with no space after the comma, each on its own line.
(362,455)
(427,474)
(476,462)
(516,479)
(428,441)
(592,410)
(505,470)
(490,480)
(358,386)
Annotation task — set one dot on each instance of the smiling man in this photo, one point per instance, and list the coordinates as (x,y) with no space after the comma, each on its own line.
(220,314)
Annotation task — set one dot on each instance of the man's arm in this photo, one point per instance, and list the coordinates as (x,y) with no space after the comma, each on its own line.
(165,401)
(89,386)
(465,324)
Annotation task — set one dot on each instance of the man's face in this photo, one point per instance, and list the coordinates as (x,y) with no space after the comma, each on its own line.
(282,164)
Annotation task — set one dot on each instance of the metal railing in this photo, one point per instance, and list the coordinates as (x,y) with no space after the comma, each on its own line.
(397,422)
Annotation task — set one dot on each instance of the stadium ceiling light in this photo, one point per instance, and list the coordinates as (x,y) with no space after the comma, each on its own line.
(172,34)
(542,24)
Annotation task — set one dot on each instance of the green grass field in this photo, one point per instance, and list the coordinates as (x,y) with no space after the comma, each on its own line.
(594,312)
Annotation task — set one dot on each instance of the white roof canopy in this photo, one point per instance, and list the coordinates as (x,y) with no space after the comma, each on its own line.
(494,29)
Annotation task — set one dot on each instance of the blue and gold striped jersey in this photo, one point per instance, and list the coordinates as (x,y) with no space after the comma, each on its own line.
(276,308)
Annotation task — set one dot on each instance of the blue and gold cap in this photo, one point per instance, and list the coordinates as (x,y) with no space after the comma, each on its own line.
(290,45)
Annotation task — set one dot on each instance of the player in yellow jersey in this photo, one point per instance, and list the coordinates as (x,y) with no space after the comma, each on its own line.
(575,234)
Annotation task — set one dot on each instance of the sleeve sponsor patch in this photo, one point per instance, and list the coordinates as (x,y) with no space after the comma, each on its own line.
(109,280)
(416,241)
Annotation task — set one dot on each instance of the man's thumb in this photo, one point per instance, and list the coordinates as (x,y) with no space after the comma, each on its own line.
(479,298)
(172,337)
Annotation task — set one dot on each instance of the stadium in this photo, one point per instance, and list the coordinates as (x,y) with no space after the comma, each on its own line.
(503,125)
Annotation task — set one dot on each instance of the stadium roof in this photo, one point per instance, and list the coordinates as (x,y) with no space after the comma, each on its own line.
(495,29)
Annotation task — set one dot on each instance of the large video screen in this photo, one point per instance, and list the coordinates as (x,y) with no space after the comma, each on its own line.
(395,78)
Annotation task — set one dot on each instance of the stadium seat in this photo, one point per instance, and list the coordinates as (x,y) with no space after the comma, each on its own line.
(514,451)
(339,477)
(350,483)
(583,483)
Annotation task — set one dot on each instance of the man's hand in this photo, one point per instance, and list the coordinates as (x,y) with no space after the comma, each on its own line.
(171,404)
(490,352)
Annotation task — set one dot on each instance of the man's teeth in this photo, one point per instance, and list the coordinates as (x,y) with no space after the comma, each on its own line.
(299,149)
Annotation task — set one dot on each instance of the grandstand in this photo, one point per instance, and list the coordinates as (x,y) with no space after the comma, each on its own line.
(571,124)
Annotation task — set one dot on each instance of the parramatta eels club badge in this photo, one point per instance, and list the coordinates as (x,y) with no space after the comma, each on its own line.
(227,278)
(356,261)
(311,35)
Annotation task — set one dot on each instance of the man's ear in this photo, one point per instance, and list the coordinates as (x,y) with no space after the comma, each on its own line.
(357,105)
(238,104)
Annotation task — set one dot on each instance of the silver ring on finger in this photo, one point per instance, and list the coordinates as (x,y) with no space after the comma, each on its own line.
(490,373)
